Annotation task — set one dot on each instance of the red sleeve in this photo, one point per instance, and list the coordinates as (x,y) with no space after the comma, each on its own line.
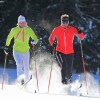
(52,36)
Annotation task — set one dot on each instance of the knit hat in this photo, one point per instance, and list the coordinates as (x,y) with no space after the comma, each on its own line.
(21,19)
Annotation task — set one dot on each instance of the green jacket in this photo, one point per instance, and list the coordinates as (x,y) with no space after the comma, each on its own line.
(21,38)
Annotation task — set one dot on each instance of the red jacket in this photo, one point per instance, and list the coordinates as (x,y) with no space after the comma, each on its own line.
(65,38)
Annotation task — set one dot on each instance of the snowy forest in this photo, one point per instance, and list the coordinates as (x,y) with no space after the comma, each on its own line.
(43,15)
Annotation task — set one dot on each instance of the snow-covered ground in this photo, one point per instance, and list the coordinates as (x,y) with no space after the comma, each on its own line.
(56,90)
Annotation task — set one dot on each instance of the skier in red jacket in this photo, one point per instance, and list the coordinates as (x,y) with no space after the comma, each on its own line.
(64,34)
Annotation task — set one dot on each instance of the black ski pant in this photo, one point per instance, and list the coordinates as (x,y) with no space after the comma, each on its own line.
(66,63)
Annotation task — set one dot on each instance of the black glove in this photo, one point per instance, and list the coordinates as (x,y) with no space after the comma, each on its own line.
(32,42)
(6,49)
(55,43)
(79,30)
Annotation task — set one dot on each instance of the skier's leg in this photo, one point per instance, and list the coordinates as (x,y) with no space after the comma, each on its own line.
(18,59)
(69,66)
(26,58)
(60,59)
(64,68)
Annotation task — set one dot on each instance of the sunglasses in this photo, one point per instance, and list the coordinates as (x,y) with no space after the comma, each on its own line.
(65,20)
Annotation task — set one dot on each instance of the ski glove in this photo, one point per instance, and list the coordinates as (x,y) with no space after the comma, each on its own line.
(6,49)
(55,43)
(32,42)
(79,30)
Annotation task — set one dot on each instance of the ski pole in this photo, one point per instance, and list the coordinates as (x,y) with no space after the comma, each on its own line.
(50,77)
(36,76)
(83,66)
(50,72)
(4,70)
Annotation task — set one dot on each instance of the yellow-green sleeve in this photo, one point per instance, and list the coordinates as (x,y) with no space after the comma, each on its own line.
(9,37)
(33,36)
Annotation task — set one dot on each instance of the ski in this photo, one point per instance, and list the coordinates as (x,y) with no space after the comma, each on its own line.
(23,85)
(80,86)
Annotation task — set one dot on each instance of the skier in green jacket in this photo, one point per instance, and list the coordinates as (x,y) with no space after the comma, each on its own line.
(21,34)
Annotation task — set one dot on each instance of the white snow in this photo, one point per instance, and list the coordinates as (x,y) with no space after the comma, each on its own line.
(12,92)
(57,90)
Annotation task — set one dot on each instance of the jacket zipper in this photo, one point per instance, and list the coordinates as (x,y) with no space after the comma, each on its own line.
(65,40)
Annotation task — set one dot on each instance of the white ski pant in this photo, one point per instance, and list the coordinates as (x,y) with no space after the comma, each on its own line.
(22,62)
